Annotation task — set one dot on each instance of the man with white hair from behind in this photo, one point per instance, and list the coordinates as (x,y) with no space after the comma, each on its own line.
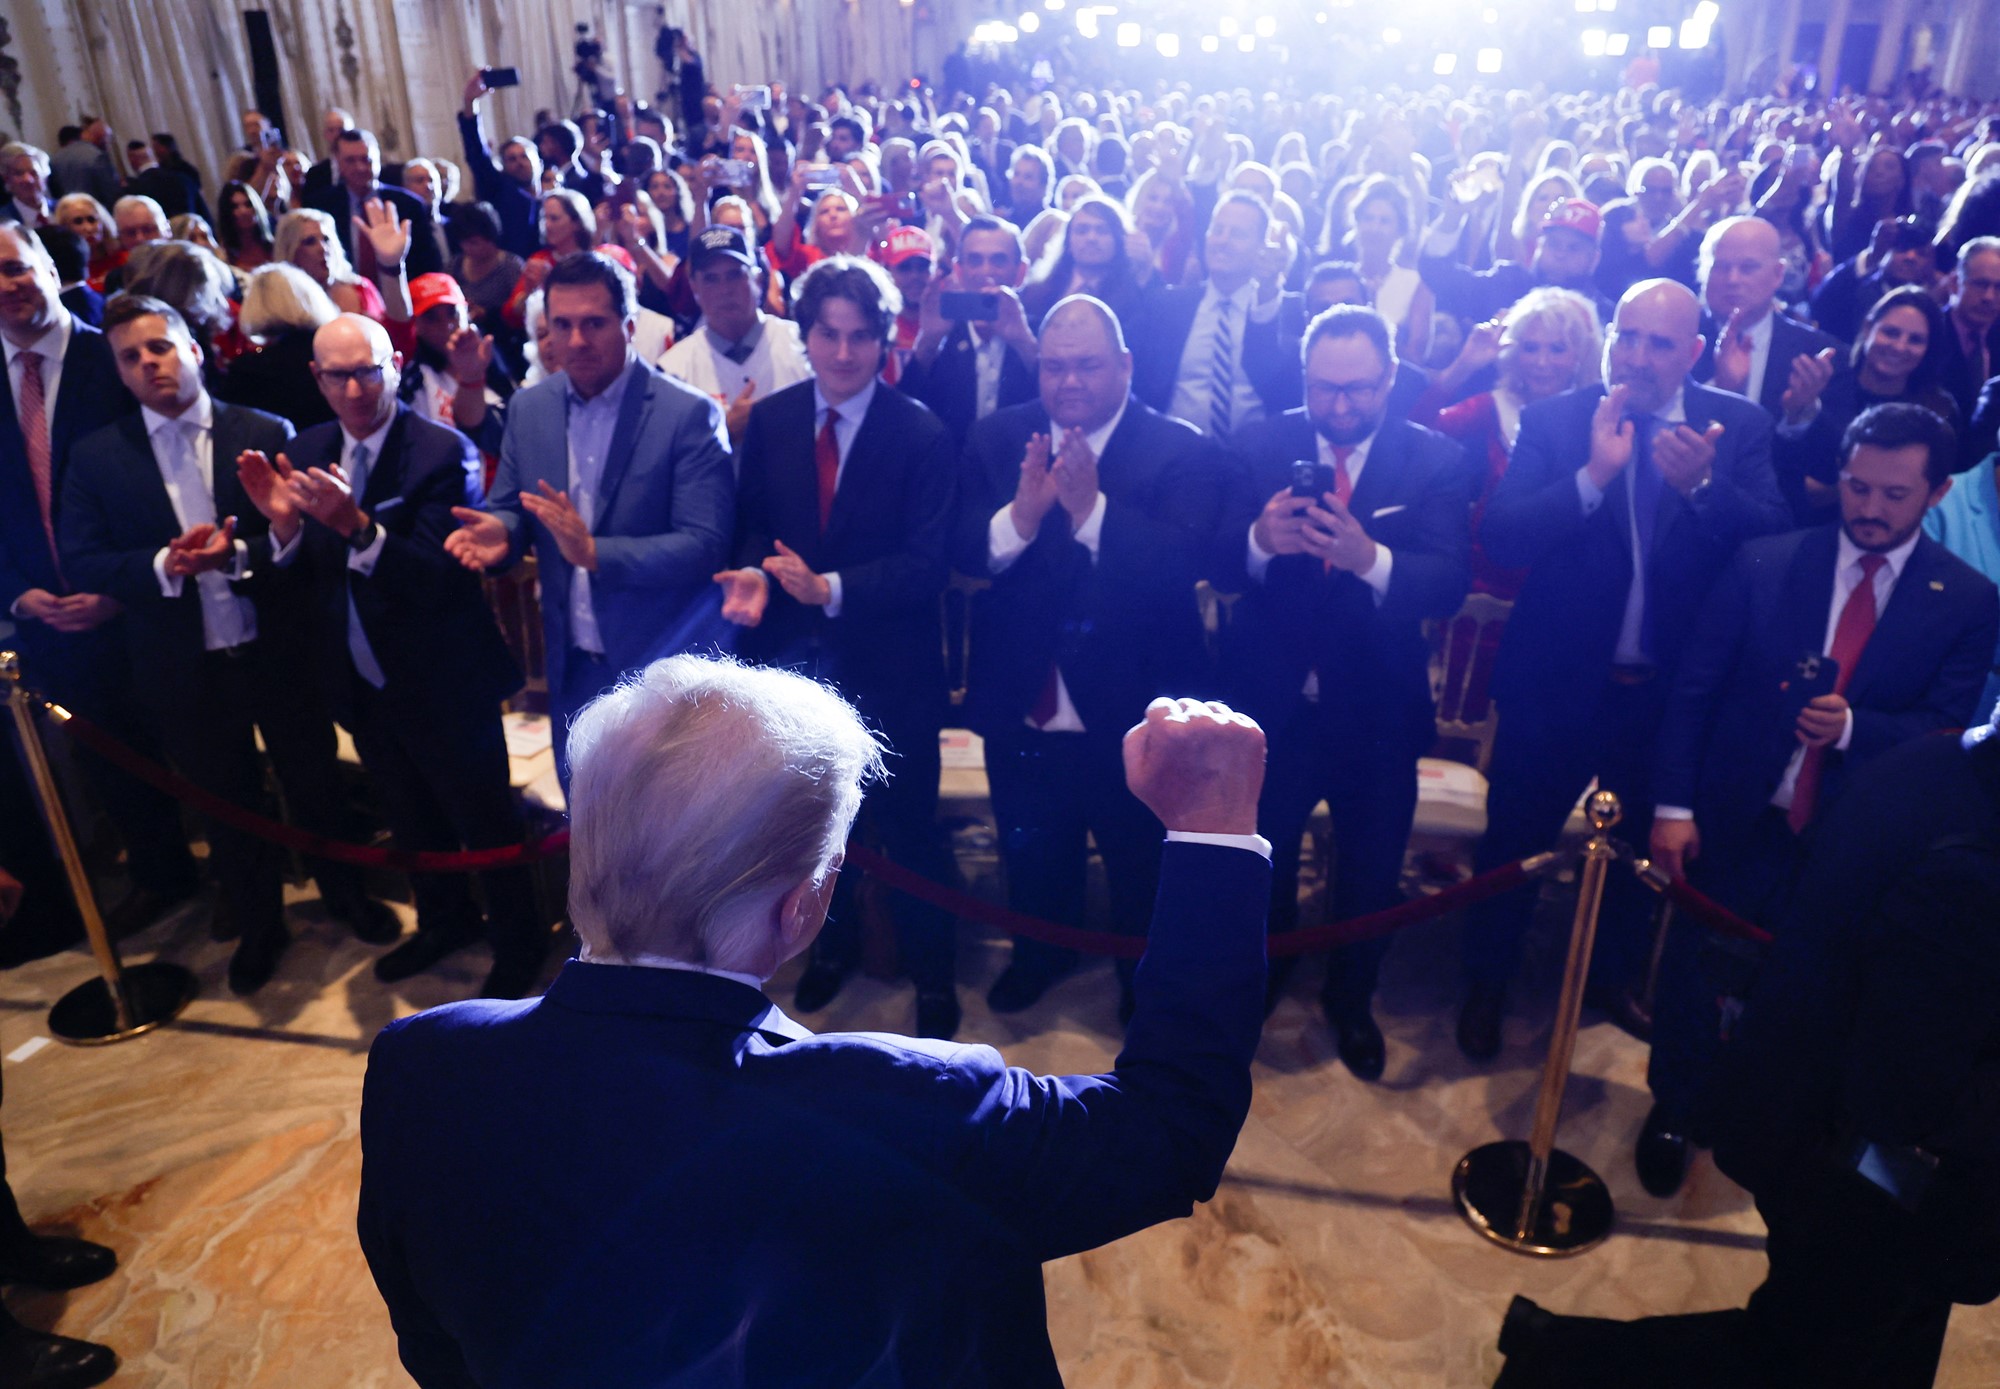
(652,1175)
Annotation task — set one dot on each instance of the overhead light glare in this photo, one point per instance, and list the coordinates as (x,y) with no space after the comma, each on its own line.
(1446,64)
(1128,35)
(1489,60)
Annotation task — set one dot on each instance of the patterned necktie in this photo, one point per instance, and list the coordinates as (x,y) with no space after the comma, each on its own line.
(1221,373)
(1850,636)
(34,417)
(827,453)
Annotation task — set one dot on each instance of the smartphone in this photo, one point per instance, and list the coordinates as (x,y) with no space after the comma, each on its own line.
(821,178)
(1312,479)
(1812,675)
(497,78)
(271,138)
(737,173)
(974,306)
(753,98)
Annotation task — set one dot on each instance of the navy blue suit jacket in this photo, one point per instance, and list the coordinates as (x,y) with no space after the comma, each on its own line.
(516,203)
(1564,629)
(663,523)
(950,384)
(1726,737)
(1790,339)
(1159,336)
(424,614)
(655,1177)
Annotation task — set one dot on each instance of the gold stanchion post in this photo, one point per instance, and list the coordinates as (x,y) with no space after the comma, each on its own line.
(1532,1197)
(120,1002)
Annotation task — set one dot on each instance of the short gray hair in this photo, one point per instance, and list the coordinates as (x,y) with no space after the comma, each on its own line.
(1979,245)
(151,207)
(701,791)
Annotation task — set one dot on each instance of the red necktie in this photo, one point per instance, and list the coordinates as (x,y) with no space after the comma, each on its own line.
(827,453)
(1850,635)
(34,417)
(1343,481)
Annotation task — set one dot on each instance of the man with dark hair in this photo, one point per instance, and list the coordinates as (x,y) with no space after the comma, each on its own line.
(152,510)
(846,137)
(70,254)
(514,185)
(1031,182)
(1817,651)
(560,144)
(839,575)
(1214,353)
(738,353)
(358,164)
(620,480)
(81,163)
(966,369)
(1326,649)
(167,155)
(1903,252)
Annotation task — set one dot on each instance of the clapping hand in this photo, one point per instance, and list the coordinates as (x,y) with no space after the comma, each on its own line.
(1075,476)
(1611,439)
(1684,457)
(202,548)
(1035,493)
(564,522)
(480,542)
(268,484)
(796,578)
(1809,377)
(745,595)
(326,495)
(1732,355)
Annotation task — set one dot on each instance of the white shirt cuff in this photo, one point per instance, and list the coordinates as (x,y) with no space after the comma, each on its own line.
(833,603)
(1377,576)
(1258,560)
(170,585)
(1672,812)
(239,567)
(1004,544)
(283,554)
(1588,492)
(1092,530)
(363,561)
(1847,733)
(1255,843)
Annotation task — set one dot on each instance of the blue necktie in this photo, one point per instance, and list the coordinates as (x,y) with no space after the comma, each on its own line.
(1647,489)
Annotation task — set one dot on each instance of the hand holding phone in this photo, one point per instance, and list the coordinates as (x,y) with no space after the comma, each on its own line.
(496,78)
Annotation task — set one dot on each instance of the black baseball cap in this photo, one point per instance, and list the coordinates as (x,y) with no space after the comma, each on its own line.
(720,241)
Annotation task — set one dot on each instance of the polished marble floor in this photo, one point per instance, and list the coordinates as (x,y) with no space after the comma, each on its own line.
(220,1156)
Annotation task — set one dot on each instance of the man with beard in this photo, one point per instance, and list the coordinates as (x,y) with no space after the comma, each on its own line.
(1339,572)
(456,382)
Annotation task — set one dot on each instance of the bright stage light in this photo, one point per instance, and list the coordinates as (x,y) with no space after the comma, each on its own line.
(1694,34)
(1086,22)
(995,31)
(1660,36)
(1593,43)
(1392,36)
(1489,16)
(1618,45)
(1169,45)
(1053,4)
(1606,6)
(1246,43)
(1446,64)
(1029,21)
(1226,26)
(1708,12)
(1267,26)
(1489,60)
(1128,35)
(1586,6)
(1210,43)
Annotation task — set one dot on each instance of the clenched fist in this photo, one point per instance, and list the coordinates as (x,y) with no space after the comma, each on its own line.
(1198,766)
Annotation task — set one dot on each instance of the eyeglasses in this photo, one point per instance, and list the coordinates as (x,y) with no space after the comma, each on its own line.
(1353,392)
(368,376)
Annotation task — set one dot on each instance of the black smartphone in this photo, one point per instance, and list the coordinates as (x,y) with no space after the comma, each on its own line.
(1312,479)
(969,305)
(496,78)
(1812,675)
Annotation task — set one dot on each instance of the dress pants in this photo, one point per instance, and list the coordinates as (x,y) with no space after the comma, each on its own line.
(1540,767)
(1371,799)
(1050,792)
(586,675)
(445,786)
(211,740)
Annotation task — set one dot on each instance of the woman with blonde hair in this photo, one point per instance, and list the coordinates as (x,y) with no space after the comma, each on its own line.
(306,239)
(91,220)
(282,308)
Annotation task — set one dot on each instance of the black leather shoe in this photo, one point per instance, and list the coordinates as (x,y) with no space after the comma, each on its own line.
(819,985)
(938,1014)
(1018,988)
(256,959)
(373,922)
(1661,1155)
(1479,1021)
(1360,1043)
(420,952)
(55,1262)
(38,1360)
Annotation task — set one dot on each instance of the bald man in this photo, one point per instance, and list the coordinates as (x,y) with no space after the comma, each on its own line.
(1754,349)
(1623,503)
(403,643)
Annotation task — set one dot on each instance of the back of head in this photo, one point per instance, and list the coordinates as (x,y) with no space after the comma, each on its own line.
(702,791)
(282,297)
(184,275)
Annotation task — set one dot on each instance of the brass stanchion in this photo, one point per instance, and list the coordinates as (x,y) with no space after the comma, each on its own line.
(1532,1197)
(121,1002)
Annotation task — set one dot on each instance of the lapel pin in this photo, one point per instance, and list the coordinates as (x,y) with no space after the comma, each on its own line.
(1937,585)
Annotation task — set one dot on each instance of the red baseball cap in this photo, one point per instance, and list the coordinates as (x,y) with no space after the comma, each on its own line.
(908,243)
(428,291)
(1577,215)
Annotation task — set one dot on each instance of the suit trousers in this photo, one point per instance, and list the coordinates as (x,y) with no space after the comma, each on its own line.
(212,740)
(445,786)
(1371,800)
(1540,768)
(586,675)
(1052,793)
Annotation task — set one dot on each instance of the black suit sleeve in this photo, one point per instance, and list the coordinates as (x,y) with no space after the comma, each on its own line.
(1714,648)
(413,561)
(910,579)
(1430,576)
(90,557)
(1537,506)
(1743,500)
(1954,692)
(1160,545)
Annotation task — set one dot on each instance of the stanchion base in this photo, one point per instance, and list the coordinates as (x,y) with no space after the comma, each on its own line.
(1576,1214)
(86,1016)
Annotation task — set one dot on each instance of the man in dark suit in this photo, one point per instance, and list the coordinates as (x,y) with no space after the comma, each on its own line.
(621,481)
(1093,516)
(1742,767)
(71,641)
(844,508)
(513,185)
(965,370)
(1972,319)
(150,514)
(1326,648)
(1212,353)
(992,153)
(1856,1104)
(1566,253)
(358,160)
(754,1202)
(1754,349)
(406,648)
(1620,553)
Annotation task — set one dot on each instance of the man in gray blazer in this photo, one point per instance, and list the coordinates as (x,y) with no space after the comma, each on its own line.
(621,480)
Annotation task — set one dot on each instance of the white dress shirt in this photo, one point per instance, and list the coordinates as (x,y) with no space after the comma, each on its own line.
(1005,544)
(1194,381)
(184,452)
(53,345)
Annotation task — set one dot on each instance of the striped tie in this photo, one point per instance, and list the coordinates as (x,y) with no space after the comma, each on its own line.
(1221,373)
(32,413)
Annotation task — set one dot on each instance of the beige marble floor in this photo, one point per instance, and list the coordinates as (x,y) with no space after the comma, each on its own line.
(220,1157)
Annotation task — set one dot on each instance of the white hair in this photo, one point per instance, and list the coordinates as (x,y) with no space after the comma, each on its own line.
(281,296)
(702,791)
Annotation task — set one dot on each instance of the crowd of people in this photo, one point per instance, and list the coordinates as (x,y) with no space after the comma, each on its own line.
(1208,393)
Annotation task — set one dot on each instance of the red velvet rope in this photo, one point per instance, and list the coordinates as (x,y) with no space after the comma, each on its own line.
(1712,913)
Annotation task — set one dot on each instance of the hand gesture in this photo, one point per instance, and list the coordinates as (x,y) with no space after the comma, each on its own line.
(745,595)
(202,548)
(75,612)
(1684,457)
(386,234)
(736,414)
(1198,766)
(1035,493)
(1274,259)
(1482,346)
(1075,474)
(1336,537)
(1808,378)
(480,542)
(1676,844)
(475,88)
(1822,721)
(565,523)
(796,578)
(1732,355)
(1610,438)
(1010,325)
(324,495)
(931,322)
(268,485)
(468,355)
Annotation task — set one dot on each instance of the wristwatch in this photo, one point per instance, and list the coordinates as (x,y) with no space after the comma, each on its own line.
(362,538)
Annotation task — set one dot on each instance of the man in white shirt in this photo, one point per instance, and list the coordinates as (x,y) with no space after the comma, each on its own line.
(737,353)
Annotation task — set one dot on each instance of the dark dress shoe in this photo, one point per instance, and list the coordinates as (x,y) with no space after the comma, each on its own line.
(514,975)
(938,1014)
(1360,1044)
(1525,1326)
(1479,1021)
(55,1262)
(373,922)
(420,952)
(1661,1155)
(38,1360)
(820,983)
(1018,988)
(256,959)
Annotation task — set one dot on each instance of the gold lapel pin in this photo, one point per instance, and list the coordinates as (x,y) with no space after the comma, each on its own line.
(1937,585)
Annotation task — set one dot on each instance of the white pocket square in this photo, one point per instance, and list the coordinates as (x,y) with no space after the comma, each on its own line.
(390,503)
(1382,511)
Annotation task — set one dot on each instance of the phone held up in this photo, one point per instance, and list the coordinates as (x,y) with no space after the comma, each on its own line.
(496,78)
(969,305)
